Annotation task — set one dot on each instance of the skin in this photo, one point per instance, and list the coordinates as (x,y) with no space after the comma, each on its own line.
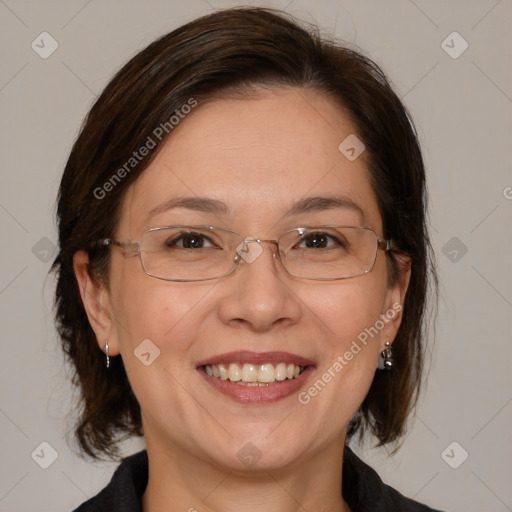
(259,156)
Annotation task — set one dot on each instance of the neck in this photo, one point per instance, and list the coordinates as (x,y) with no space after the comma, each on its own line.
(180,481)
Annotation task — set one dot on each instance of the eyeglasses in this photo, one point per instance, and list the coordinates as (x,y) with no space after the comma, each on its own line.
(200,253)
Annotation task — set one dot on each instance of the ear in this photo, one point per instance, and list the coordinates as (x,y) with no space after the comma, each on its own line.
(96,300)
(395,297)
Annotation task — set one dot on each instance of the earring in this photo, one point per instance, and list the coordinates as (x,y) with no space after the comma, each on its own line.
(108,358)
(386,357)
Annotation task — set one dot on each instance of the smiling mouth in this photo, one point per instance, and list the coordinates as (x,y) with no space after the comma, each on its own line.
(248,374)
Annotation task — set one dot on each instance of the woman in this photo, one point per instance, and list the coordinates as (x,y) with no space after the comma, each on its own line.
(243,269)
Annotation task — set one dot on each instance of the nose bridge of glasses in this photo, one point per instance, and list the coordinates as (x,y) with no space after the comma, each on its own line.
(274,247)
(249,249)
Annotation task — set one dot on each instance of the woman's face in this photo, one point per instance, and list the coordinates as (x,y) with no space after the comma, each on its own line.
(257,158)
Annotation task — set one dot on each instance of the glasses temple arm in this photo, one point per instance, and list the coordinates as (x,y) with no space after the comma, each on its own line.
(387,245)
(127,247)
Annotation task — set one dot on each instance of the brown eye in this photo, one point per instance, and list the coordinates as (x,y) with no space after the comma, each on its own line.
(189,241)
(316,240)
(319,240)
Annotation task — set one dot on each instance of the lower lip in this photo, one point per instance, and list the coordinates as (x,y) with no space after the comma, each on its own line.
(258,394)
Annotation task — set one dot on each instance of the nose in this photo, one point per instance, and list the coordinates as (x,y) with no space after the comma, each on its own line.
(258,294)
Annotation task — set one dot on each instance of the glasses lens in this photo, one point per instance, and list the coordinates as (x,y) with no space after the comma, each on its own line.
(328,252)
(188,252)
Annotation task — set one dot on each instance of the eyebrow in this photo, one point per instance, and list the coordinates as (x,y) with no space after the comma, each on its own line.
(216,207)
(321,203)
(198,204)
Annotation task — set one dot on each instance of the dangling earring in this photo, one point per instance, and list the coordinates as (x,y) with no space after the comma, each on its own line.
(386,357)
(108,358)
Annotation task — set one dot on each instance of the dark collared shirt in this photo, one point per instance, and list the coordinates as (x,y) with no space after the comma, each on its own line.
(363,489)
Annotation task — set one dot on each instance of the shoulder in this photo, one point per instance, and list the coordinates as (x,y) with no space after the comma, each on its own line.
(401,503)
(364,491)
(362,487)
(125,490)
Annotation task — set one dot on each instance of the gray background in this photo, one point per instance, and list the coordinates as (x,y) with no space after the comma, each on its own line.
(462,107)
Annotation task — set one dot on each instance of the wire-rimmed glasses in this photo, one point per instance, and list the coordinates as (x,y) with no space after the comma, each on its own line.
(199,253)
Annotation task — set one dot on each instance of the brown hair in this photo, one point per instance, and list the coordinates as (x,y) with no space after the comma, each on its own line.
(231,52)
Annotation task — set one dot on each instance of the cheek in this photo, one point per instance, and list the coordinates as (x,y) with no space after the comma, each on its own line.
(350,308)
(350,316)
(149,308)
(167,314)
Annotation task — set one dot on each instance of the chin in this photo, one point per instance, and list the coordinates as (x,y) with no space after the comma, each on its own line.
(257,453)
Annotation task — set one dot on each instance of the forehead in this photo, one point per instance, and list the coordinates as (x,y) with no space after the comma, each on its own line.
(257,155)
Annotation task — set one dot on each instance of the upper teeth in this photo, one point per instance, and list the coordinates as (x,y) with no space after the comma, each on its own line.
(253,374)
